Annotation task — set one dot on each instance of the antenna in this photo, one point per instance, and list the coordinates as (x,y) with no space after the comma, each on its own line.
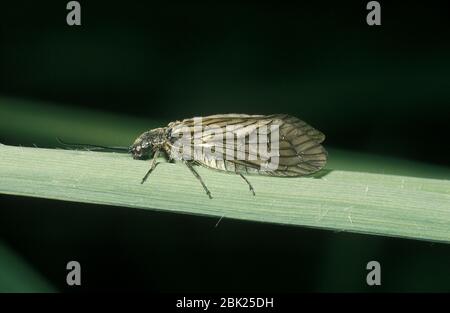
(92,147)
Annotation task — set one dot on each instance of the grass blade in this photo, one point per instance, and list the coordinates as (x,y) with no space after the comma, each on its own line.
(388,205)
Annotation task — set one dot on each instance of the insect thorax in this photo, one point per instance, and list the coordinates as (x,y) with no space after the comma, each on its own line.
(146,144)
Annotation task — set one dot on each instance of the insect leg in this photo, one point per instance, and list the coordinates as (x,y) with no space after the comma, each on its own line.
(189,165)
(152,166)
(248,183)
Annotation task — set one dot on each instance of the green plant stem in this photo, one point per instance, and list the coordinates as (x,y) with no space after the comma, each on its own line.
(359,202)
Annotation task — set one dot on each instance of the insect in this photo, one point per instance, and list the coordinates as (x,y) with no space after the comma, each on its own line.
(275,145)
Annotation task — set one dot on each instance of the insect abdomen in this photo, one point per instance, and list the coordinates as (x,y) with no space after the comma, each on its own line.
(298,153)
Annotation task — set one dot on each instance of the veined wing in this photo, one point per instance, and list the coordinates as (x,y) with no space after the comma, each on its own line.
(299,150)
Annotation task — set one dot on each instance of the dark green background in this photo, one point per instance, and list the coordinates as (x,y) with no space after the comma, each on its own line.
(382,90)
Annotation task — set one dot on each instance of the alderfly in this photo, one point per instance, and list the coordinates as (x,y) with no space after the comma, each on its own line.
(274,145)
